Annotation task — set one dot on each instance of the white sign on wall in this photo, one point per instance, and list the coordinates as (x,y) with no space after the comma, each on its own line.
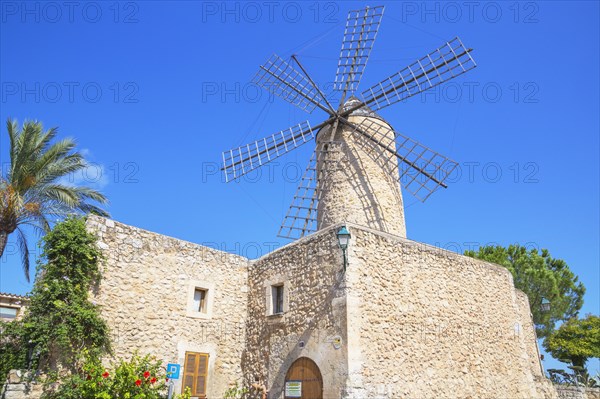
(293,389)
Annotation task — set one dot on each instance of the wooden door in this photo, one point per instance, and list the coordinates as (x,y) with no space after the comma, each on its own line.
(307,372)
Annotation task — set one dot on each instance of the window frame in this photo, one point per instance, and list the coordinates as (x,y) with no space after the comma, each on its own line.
(202,301)
(7,316)
(272,305)
(191,308)
(277,299)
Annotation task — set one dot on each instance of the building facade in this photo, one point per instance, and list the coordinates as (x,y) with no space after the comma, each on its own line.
(404,319)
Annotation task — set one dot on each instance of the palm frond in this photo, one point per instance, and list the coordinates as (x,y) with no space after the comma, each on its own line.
(60,193)
(60,169)
(56,154)
(44,140)
(86,193)
(12,128)
(87,208)
(24,249)
(33,190)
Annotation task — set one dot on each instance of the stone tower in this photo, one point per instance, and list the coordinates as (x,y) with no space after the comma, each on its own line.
(357,179)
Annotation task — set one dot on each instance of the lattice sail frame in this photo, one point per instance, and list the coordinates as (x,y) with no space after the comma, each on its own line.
(283,80)
(421,170)
(359,35)
(445,63)
(241,160)
(301,217)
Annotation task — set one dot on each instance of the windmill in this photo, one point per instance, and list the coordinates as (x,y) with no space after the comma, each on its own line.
(359,161)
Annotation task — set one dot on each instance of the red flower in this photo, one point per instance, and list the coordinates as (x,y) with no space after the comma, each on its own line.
(138,382)
(153,380)
(146,374)
(167,379)
(105,374)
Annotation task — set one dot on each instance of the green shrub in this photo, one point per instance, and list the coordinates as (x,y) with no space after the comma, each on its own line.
(139,378)
(235,392)
(59,320)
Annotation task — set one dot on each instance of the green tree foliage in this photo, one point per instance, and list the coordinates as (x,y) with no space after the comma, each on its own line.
(59,321)
(539,276)
(576,340)
(32,190)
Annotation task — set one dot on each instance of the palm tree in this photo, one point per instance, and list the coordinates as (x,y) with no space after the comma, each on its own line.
(32,190)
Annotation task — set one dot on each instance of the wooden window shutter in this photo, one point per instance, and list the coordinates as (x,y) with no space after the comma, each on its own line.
(202,374)
(195,373)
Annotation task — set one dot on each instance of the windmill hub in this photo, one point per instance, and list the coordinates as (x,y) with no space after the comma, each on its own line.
(352,103)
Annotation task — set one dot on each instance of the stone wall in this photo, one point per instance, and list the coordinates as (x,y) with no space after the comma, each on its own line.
(571,392)
(19,385)
(314,318)
(146,296)
(405,320)
(593,393)
(429,323)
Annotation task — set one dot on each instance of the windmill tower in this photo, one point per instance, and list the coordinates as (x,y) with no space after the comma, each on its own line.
(356,182)
(359,160)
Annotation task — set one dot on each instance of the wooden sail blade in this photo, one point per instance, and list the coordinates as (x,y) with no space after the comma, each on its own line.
(421,170)
(241,160)
(283,80)
(360,33)
(445,63)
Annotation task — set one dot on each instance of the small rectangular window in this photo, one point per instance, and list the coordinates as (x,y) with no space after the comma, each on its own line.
(200,297)
(277,297)
(8,313)
(195,373)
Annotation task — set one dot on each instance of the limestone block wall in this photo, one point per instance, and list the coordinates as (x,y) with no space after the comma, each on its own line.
(527,330)
(314,314)
(570,392)
(593,393)
(20,385)
(146,296)
(429,323)
(573,392)
(357,183)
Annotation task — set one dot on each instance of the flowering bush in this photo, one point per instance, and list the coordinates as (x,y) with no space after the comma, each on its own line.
(139,378)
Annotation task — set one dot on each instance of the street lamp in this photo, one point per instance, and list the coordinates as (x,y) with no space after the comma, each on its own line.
(545,306)
(343,236)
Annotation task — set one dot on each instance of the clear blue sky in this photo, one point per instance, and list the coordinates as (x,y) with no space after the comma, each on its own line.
(153,92)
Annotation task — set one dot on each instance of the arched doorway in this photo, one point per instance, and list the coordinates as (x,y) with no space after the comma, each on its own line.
(303,380)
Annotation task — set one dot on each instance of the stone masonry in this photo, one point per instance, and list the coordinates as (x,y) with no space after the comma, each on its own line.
(314,314)
(405,319)
(146,292)
(430,323)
